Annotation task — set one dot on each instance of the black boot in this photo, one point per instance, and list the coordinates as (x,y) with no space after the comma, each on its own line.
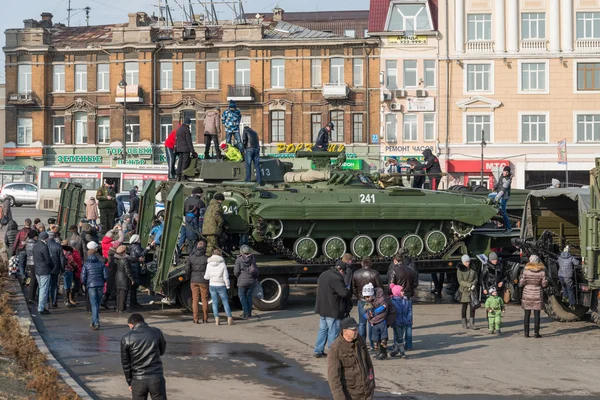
(472,324)
(526,330)
(464,323)
(382,354)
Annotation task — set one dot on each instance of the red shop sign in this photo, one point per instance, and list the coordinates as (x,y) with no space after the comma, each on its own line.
(63,175)
(469,166)
(145,177)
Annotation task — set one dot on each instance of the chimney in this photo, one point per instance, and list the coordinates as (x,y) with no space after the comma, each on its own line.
(138,19)
(278,14)
(47,19)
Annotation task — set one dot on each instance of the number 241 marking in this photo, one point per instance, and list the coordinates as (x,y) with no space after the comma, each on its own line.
(367,198)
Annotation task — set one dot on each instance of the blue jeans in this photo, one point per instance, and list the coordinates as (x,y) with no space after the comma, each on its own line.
(362,322)
(95,294)
(399,333)
(217,292)
(568,289)
(170,153)
(253,156)
(236,134)
(43,287)
(68,282)
(329,330)
(181,240)
(245,295)
(504,214)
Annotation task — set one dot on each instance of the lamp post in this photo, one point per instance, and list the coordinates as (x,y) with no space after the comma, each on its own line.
(123,85)
(483,144)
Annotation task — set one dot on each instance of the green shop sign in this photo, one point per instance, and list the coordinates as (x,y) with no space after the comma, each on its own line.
(354,165)
(79,159)
(115,151)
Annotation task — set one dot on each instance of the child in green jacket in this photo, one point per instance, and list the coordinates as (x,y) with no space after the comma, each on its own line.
(495,307)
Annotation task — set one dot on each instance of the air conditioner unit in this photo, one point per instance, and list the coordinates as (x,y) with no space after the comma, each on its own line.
(421,93)
(387,96)
(396,107)
(400,94)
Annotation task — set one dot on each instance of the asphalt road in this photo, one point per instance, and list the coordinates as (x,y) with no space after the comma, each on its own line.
(20,213)
(270,357)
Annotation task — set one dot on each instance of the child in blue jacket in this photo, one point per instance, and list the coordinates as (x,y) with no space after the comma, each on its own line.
(404,318)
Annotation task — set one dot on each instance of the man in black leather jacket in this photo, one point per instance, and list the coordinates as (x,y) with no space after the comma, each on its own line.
(402,272)
(141,349)
(360,278)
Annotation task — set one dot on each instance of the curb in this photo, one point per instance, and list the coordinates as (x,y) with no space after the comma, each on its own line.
(27,323)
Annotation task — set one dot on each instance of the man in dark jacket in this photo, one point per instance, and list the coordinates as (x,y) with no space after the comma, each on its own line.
(134,201)
(107,205)
(196,268)
(349,367)
(58,261)
(322,143)
(432,168)
(137,255)
(21,238)
(94,274)
(43,268)
(332,294)
(493,276)
(246,272)
(251,153)
(360,278)
(123,278)
(502,189)
(183,147)
(75,240)
(141,349)
(403,274)
(566,275)
(416,169)
(194,209)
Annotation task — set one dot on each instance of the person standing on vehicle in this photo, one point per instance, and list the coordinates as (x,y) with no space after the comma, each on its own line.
(43,268)
(332,294)
(218,277)
(137,256)
(196,268)
(212,130)
(467,280)
(93,276)
(432,168)
(212,228)
(141,349)
(360,278)
(566,273)
(134,201)
(493,276)
(416,169)
(58,261)
(123,278)
(322,142)
(170,153)
(184,147)
(91,211)
(107,204)
(349,367)
(246,272)
(252,153)
(533,280)
(194,209)
(231,121)
(502,188)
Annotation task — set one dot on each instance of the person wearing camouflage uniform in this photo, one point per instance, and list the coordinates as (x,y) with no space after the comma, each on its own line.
(107,204)
(212,227)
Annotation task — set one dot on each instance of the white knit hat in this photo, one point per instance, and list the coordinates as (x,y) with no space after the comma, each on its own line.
(368,290)
(465,258)
(534,259)
(92,245)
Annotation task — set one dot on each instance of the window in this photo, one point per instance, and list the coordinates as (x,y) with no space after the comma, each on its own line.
(409,130)
(410,73)
(475,125)
(479,27)
(391,74)
(588,76)
(24,131)
(103,130)
(166,126)
(588,25)
(278,73)
(337,134)
(588,128)
(533,26)
(357,72)
(429,124)
(81,134)
(189,75)
(166,76)
(24,78)
(132,73)
(409,17)
(277,126)
(533,77)
(350,33)
(390,128)
(58,130)
(533,128)
(315,73)
(429,66)
(212,74)
(357,128)
(336,73)
(478,77)
(242,72)
(191,114)
(81,78)
(245,121)
(366,33)
(58,80)
(315,125)
(103,78)
(133,129)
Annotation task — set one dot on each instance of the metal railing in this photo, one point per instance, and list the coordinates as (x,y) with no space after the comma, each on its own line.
(239,91)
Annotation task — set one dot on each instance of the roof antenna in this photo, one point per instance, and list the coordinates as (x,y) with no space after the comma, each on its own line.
(69,9)
(87,15)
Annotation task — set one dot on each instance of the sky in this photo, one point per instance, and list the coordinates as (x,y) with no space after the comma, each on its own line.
(115,11)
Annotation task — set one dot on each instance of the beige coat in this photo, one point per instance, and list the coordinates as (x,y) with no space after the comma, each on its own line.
(91,210)
(533,281)
(212,125)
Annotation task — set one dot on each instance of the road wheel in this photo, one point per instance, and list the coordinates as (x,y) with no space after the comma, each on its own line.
(387,245)
(413,244)
(276,290)
(558,311)
(362,246)
(334,247)
(306,248)
(435,241)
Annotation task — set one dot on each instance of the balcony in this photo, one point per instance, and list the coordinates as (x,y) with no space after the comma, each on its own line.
(534,45)
(134,94)
(587,45)
(23,98)
(335,91)
(240,93)
(480,46)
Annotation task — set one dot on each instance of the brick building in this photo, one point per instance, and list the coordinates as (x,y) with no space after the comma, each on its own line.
(64,99)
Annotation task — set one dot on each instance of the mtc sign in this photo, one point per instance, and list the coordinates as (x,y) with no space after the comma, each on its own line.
(470,166)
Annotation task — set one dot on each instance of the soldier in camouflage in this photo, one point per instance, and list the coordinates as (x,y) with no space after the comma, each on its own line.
(107,204)
(212,227)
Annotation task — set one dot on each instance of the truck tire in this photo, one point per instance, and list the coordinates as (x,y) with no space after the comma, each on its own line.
(276,291)
(558,312)
(594,308)
(184,298)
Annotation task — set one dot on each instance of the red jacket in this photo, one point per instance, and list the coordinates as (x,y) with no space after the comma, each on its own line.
(21,237)
(79,262)
(170,142)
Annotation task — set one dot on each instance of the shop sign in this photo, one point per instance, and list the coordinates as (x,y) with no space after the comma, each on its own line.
(420,104)
(63,175)
(23,152)
(469,166)
(407,39)
(145,177)
(114,151)
(293,155)
(79,159)
(404,159)
(294,147)
(354,165)
(136,161)
(404,149)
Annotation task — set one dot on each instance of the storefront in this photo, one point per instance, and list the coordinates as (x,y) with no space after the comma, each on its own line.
(468,172)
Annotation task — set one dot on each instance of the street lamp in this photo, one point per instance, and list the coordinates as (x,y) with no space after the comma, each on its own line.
(483,144)
(123,85)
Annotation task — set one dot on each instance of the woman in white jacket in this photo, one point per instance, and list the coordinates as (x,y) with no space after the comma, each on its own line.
(218,277)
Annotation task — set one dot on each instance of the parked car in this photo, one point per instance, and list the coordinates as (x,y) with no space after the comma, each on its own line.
(19,193)
(159,208)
